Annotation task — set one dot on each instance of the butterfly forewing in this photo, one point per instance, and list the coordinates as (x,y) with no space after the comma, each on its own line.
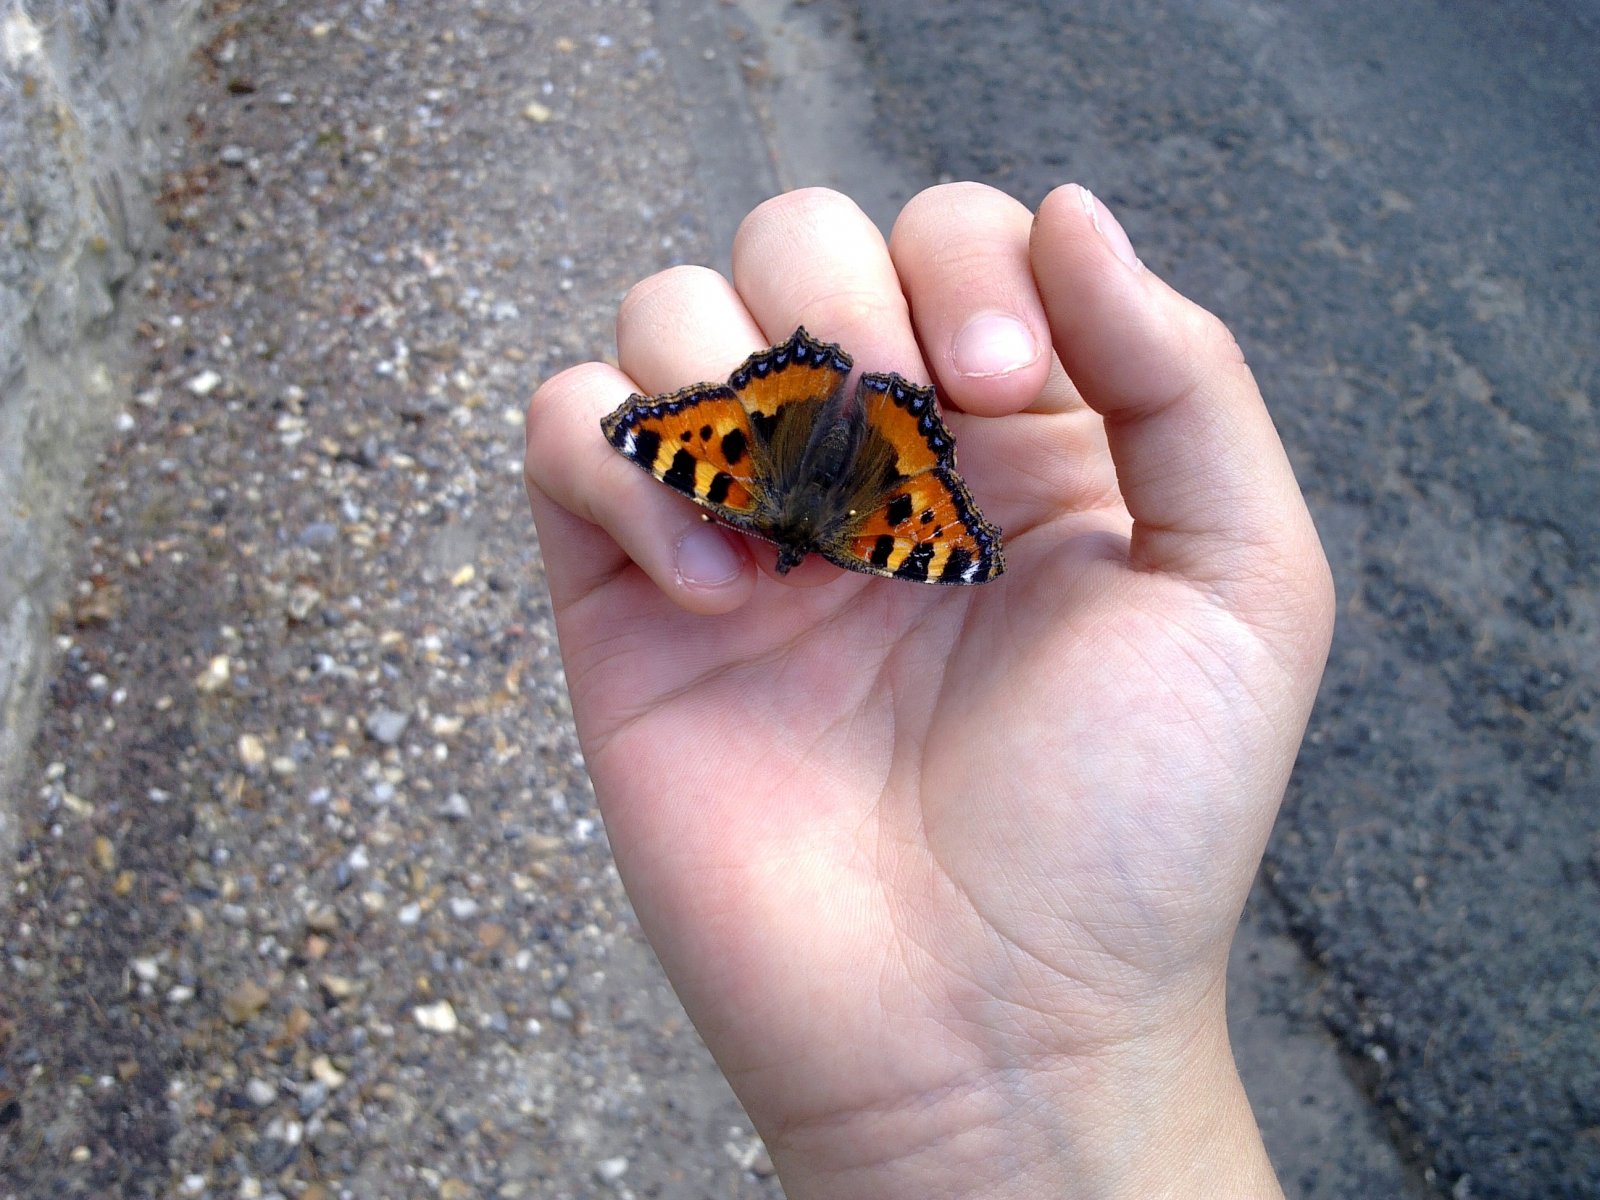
(784,388)
(907,418)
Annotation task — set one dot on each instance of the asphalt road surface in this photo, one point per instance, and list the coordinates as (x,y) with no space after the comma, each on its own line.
(1394,206)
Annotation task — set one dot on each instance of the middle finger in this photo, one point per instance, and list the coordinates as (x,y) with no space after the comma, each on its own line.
(812,257)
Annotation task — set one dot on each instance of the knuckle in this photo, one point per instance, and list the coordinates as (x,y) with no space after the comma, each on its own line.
(553,396)
(685,280)
(810,208)
(560,386)
(944,200)
(1213,340)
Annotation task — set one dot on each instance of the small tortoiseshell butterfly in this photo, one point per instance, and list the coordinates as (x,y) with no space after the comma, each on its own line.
(865,479)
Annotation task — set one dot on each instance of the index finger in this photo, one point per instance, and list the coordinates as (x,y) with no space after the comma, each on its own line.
(595,510)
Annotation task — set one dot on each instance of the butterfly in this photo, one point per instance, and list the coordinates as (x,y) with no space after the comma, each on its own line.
(783,451)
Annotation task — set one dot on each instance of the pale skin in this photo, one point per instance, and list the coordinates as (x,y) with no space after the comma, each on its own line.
(947,876)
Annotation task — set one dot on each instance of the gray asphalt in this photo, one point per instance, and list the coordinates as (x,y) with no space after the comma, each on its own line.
(1394,206)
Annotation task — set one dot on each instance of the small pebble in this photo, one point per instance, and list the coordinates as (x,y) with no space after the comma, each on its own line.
(385,725)
(319,533)
(325,1073)
(252,753)
(216,675)
(244,1002)
(204,383)
(439,1017)
(303,601)
(312,1097)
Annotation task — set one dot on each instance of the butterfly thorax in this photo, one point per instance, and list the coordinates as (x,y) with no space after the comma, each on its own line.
(808,507)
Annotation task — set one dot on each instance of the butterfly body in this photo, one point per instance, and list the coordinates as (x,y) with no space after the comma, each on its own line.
(784,451)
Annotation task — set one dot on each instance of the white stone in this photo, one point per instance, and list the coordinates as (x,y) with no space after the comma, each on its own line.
(436,1018)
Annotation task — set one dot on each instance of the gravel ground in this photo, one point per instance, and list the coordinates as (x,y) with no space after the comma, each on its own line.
(314,900)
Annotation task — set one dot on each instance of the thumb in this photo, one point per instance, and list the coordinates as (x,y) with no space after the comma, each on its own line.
(1199,463)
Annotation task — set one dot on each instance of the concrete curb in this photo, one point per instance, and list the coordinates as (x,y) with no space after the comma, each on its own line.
(83,89)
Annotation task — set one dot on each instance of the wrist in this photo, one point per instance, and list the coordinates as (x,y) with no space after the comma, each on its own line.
(1161,1118)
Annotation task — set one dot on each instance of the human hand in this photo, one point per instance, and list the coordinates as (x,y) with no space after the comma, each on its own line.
(947,876)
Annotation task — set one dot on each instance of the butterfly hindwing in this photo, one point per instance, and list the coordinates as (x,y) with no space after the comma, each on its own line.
(697,440)
(925,528)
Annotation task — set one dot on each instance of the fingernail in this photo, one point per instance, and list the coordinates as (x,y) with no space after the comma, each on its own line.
(704,557)
(993,344)
(1108,227)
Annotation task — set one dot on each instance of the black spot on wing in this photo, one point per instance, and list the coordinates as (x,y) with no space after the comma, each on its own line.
(956,565)
(720,483)
(899,510)
(916,563)
(733,446)
(681,473)
(881,550)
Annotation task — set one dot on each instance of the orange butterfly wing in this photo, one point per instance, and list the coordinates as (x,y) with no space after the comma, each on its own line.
(785,388)
(919,521)
(697,440)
